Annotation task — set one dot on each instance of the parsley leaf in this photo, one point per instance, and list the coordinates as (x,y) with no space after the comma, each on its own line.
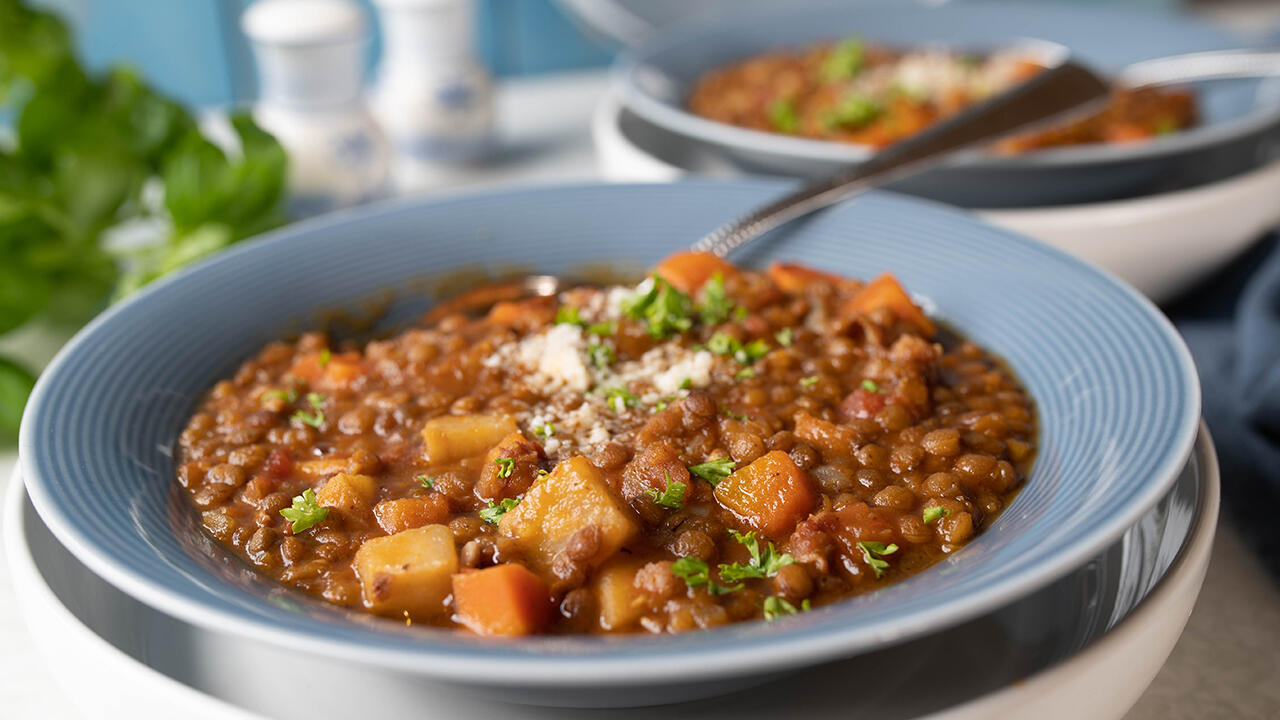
(494,513)
(603,329)
(696,574)
(745,374)
(325,356)
(505,466)
(713,471)
(931,514)
(844,61)
(427,483)
(620,399)
(685,384)
(731,414)
(871,386)
(545,430)
(872,553)
(664,310)
(808,382)
(601,356)
(289,395)
(716,305)
(765,562)
(672,497)
(785,337)
(776,607)
(569,315)
(305,512)
(314,419)
(854,111)
(783,115)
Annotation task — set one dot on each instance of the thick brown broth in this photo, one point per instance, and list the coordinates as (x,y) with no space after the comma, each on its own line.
(643,453)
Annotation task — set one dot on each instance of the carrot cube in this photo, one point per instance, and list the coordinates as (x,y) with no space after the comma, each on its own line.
(687,271)
(771,494)
(348,494)
(505,599)
(885,292)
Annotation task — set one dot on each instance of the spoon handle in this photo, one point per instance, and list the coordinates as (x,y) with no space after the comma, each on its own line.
(1049,93)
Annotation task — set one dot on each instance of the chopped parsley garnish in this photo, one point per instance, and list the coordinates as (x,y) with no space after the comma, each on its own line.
(872,555)
(569,315)
(289,395)
(854,111)
(494,512)
(305,512)
(662,404)
(696,574)
(870,386)
(785,336)
(808,382)
(620,399)
(845,61)
(775,607)
(1165,126)
(716,305)
(601,356)
(672,497)
(685,384)
(783,115)
(325,357)
(731,414)
(314,419)
(713,471)
(932,514)
(765,562)
(745,373)
(603,329)
(545,430)
(725,344)
(664,310)
(505,466)
(427,483)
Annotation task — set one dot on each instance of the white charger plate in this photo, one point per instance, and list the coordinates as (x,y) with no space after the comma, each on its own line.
(1161,244)
(118,657)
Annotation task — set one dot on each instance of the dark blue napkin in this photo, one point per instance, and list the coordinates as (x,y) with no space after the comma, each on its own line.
(1231,322)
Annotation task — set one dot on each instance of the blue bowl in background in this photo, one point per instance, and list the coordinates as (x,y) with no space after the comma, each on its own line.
(1240,119)
(1115,390)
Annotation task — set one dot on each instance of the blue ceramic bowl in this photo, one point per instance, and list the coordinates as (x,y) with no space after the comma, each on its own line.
(1114,385)
(1240,119)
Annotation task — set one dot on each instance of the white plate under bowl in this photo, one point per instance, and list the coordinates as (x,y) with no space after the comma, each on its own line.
(120,658)
(1161,244)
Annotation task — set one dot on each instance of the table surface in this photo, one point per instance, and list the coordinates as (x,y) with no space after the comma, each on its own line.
(1226,665)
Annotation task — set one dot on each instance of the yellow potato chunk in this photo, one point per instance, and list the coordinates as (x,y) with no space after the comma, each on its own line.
(574,496)
(348,494)
(410,571)
(619,602)
(454,437)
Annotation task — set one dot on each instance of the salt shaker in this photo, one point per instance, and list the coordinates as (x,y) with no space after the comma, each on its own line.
(431,96)
(311,59)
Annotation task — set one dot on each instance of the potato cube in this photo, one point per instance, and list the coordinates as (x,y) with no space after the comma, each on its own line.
(407,513)
(348,494)
(574,496)
(771,494)
(502,600)
(409,572)
(619,602)
(830,438)
(454,437)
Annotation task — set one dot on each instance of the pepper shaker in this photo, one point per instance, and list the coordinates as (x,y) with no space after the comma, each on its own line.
(431,96)
(311,59)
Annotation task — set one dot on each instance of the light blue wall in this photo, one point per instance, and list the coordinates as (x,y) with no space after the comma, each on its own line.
(193,49)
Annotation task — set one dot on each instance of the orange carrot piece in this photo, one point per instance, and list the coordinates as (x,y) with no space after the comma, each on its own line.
(885,292)
(504,599)
(771,494)
(793,278)
(327,370)
(688,270)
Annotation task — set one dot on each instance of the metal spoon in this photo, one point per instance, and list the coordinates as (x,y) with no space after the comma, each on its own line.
(1060,88)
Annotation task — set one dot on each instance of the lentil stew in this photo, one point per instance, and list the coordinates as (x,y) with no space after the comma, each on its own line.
(866,94)
(711,446)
